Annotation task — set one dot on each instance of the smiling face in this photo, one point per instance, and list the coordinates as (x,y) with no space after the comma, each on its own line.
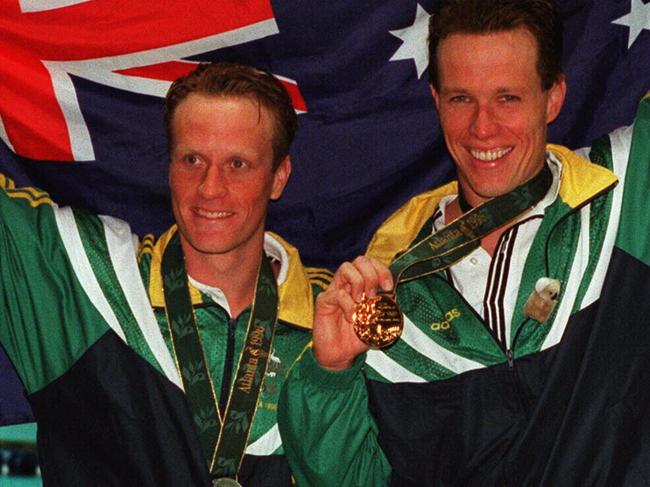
(221,175)
(493,111)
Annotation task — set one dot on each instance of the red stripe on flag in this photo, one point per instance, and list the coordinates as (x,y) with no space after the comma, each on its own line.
(296,97)
(163,71)
(175,69)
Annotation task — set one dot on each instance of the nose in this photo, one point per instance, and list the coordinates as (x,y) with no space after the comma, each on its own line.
(484,124)
(213,183)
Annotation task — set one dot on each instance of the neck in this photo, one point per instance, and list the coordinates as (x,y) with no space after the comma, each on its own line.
(235,273)
(462,202)
(490,241)
(535,188)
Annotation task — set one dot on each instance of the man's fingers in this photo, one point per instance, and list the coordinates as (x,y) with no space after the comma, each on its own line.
(347,305)
(349,278)
(334,301)
(364,275)
(384,276)
(375,275)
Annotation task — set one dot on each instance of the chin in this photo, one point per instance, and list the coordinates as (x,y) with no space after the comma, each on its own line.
(206,242)
(209,248)
(486,191)
(497,189)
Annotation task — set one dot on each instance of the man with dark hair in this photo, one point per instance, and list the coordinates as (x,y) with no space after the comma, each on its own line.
(174,382)
(540,18)
(521,292)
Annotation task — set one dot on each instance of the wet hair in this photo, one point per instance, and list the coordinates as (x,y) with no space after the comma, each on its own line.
(239,81)
(540,17)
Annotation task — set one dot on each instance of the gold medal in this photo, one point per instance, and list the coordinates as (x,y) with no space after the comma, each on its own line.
(377,321)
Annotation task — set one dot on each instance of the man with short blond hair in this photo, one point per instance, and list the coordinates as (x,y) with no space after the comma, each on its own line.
(161,364)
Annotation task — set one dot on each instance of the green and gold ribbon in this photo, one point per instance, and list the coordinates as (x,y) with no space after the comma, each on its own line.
(454,241)
(223,439)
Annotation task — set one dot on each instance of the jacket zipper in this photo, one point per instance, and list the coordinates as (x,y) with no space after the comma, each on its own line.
(525,404)
(510,352)
(507,352)
(516,381)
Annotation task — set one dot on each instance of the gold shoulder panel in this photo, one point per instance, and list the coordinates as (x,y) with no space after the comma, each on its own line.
(399,230)
(295,292)
(581,179)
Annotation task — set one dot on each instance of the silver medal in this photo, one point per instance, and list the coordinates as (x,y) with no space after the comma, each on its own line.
(225,482)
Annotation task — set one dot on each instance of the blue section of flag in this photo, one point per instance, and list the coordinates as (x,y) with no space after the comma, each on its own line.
(368,141)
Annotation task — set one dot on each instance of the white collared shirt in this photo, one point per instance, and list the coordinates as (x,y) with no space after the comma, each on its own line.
(491,284)
(272,248)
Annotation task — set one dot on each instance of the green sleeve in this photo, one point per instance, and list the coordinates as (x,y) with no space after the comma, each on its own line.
(47,320)
(330,438)
(626,151)
(634,230)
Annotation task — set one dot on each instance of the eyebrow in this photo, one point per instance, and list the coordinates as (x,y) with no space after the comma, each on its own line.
(463,91)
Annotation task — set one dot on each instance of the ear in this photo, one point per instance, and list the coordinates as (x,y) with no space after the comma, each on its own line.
(170,160)
(280,178)
(555,101)
(436,96)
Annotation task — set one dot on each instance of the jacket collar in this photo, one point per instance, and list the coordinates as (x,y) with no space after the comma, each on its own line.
(296,300)
(580,181)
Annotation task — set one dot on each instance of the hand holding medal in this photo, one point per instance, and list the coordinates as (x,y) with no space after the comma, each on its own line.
(335,343)
(377,320)
(357,312)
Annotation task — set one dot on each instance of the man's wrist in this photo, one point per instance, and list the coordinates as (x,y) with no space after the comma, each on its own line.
(333,366)
(331,378)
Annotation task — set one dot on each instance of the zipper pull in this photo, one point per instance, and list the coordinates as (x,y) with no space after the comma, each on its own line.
(232,324)
(511,358)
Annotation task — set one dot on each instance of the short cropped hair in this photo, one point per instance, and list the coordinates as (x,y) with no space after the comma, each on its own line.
(540,17)
(238,80)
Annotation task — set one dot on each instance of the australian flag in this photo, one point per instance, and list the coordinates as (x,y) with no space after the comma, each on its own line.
(82,81)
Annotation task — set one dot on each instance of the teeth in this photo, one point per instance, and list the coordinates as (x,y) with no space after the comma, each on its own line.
(213,214)
(489,155)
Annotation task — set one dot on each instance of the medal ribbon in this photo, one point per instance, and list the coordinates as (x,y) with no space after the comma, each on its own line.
(463,235)
(223,440)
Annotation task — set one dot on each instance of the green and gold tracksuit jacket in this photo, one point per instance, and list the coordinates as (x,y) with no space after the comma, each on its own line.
(568,404)
(82,319)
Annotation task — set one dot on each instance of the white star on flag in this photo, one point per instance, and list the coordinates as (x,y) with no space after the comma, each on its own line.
(637,20)
(414,41)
